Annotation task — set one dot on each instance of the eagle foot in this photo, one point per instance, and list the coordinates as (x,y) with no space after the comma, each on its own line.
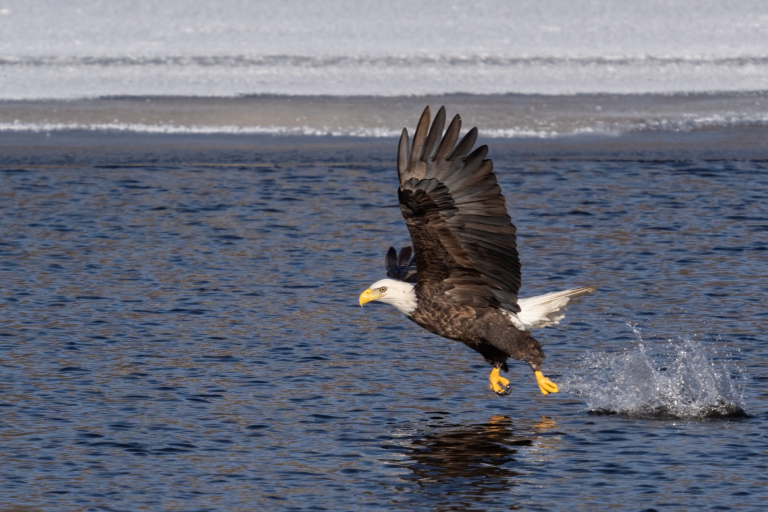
(545,385)
(499,384)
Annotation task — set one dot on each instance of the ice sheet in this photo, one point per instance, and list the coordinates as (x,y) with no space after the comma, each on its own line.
(87,48)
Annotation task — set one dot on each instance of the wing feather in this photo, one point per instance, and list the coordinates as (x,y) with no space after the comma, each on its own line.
(449,140)
(463,147)
(405,256)
(402,267)
(463,237)
(416,166)
(433,141)
(470,165)
(402,154)
(390,260)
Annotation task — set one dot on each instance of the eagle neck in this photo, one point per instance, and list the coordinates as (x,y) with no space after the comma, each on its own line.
(405,301)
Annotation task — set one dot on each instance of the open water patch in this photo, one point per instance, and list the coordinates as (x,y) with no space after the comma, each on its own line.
(676,380)
(139,415)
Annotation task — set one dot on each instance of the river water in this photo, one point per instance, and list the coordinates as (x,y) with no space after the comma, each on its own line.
(179,330)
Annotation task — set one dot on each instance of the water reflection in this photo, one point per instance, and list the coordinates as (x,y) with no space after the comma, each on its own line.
(465,465)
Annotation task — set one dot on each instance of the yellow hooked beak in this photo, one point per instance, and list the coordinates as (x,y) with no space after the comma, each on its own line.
(369,295)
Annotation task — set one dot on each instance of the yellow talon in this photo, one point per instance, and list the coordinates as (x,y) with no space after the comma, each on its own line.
(545,385)
(499,384)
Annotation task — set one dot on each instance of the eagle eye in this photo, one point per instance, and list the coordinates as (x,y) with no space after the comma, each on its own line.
(383,289)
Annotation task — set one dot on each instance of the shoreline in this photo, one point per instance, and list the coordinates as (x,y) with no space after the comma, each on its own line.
(497,116)
(93,148)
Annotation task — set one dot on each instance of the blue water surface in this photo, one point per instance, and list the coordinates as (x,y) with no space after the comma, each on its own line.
(183,333)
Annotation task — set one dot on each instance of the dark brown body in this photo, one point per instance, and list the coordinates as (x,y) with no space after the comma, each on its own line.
(487,330)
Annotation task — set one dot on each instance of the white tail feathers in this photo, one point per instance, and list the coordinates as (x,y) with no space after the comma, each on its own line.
(545,310)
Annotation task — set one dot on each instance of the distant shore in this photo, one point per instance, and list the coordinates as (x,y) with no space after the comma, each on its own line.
(497,116)
(86,148)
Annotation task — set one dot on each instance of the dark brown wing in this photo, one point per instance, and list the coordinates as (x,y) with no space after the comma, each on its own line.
(457,217)
(402,267)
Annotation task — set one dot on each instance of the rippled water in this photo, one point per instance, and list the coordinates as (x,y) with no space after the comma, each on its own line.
(185,336)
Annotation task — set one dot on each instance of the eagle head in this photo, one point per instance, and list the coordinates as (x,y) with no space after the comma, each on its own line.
(397,293)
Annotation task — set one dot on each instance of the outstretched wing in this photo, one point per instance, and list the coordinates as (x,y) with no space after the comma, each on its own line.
(402,267)
(457,216)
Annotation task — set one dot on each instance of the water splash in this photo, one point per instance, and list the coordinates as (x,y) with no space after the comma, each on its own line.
(675,380)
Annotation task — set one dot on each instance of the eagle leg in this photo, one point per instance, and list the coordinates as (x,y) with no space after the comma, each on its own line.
(499,384)
(545,385)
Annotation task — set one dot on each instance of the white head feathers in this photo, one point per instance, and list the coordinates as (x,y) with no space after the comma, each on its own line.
(397,293)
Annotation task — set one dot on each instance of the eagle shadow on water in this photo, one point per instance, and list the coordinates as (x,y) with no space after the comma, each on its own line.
(467,464)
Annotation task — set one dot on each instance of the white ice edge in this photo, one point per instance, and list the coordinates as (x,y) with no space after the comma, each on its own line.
(513,132)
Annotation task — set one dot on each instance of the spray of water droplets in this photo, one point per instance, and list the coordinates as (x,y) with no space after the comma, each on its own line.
(680,379)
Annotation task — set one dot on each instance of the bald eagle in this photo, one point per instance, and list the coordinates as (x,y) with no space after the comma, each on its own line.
(467,270)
